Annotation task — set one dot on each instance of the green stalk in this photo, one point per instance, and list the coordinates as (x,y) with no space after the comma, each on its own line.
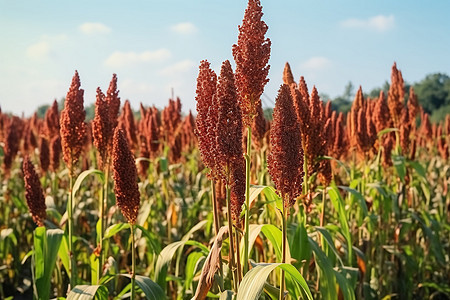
(133,263)
(283,259)
(216,226)
(231,263)
(101,217)
(247,196)
(70,231)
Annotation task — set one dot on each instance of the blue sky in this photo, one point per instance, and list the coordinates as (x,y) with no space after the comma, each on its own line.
(154,46)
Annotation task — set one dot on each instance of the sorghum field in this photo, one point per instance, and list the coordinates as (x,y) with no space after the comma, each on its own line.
(223,203)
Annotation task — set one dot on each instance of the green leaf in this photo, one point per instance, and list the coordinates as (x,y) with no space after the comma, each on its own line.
(113,229)
(330,242)
(151,238)
(400,165)
(82,177)
(88,292)
(327,277)
(46,246)
(338,204)
(166,255)
(386,130)
(253,282)
(151,289)
(192,267)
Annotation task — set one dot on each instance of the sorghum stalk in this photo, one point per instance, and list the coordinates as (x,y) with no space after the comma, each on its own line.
(216,225)
(283,249)
(70,232)
(133,263)
(231,262)
(247,196)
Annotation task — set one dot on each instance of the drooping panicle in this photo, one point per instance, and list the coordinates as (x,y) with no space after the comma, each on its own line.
(251,54)
(206,89)
(285,161)
(125,177)
(33,193)
(73,128)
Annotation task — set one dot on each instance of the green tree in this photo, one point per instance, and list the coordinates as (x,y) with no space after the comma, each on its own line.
(433,92)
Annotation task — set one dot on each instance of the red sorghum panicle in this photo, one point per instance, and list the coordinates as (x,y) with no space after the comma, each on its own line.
(381,113)
(127,124)
(188,132)
(259,128)
(113,100)
(442,143)
(388,145)
(12,141)
(33,193)
(55,152)
(251,54)
(171,118)
(396,95)
(285,161)
(288,78)
(51,121)
(102,128)
(413,107)
(206,88)
(125,177)
(229,122)
(237,187)
(73,128)
(44,154)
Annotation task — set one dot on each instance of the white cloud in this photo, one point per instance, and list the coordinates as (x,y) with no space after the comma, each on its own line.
(39,50)
(184,28)
(179,67)
(378,23)
(129,86)
(316,63)
(45,46)
(94,28)
(121,59)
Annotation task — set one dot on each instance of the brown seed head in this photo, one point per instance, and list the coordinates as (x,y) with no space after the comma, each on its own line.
(44,154)
(259,128)
(288,78)
(33,193)
(285,161)
(396,95)
(251,54)
(73,128)
(113,100)
(381,114)
(413,107)
(206,88)
(127,124)
(12,141)
(442,143)
(237,186)
(125,177)
(229,119)
(55,152)
(51,121)
(102,129)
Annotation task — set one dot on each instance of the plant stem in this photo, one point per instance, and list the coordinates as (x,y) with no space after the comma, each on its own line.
(102,208)
(247,196)
(133,263)
(283,259)
(238,257)
(231,263)
(216,226)
(70,232)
